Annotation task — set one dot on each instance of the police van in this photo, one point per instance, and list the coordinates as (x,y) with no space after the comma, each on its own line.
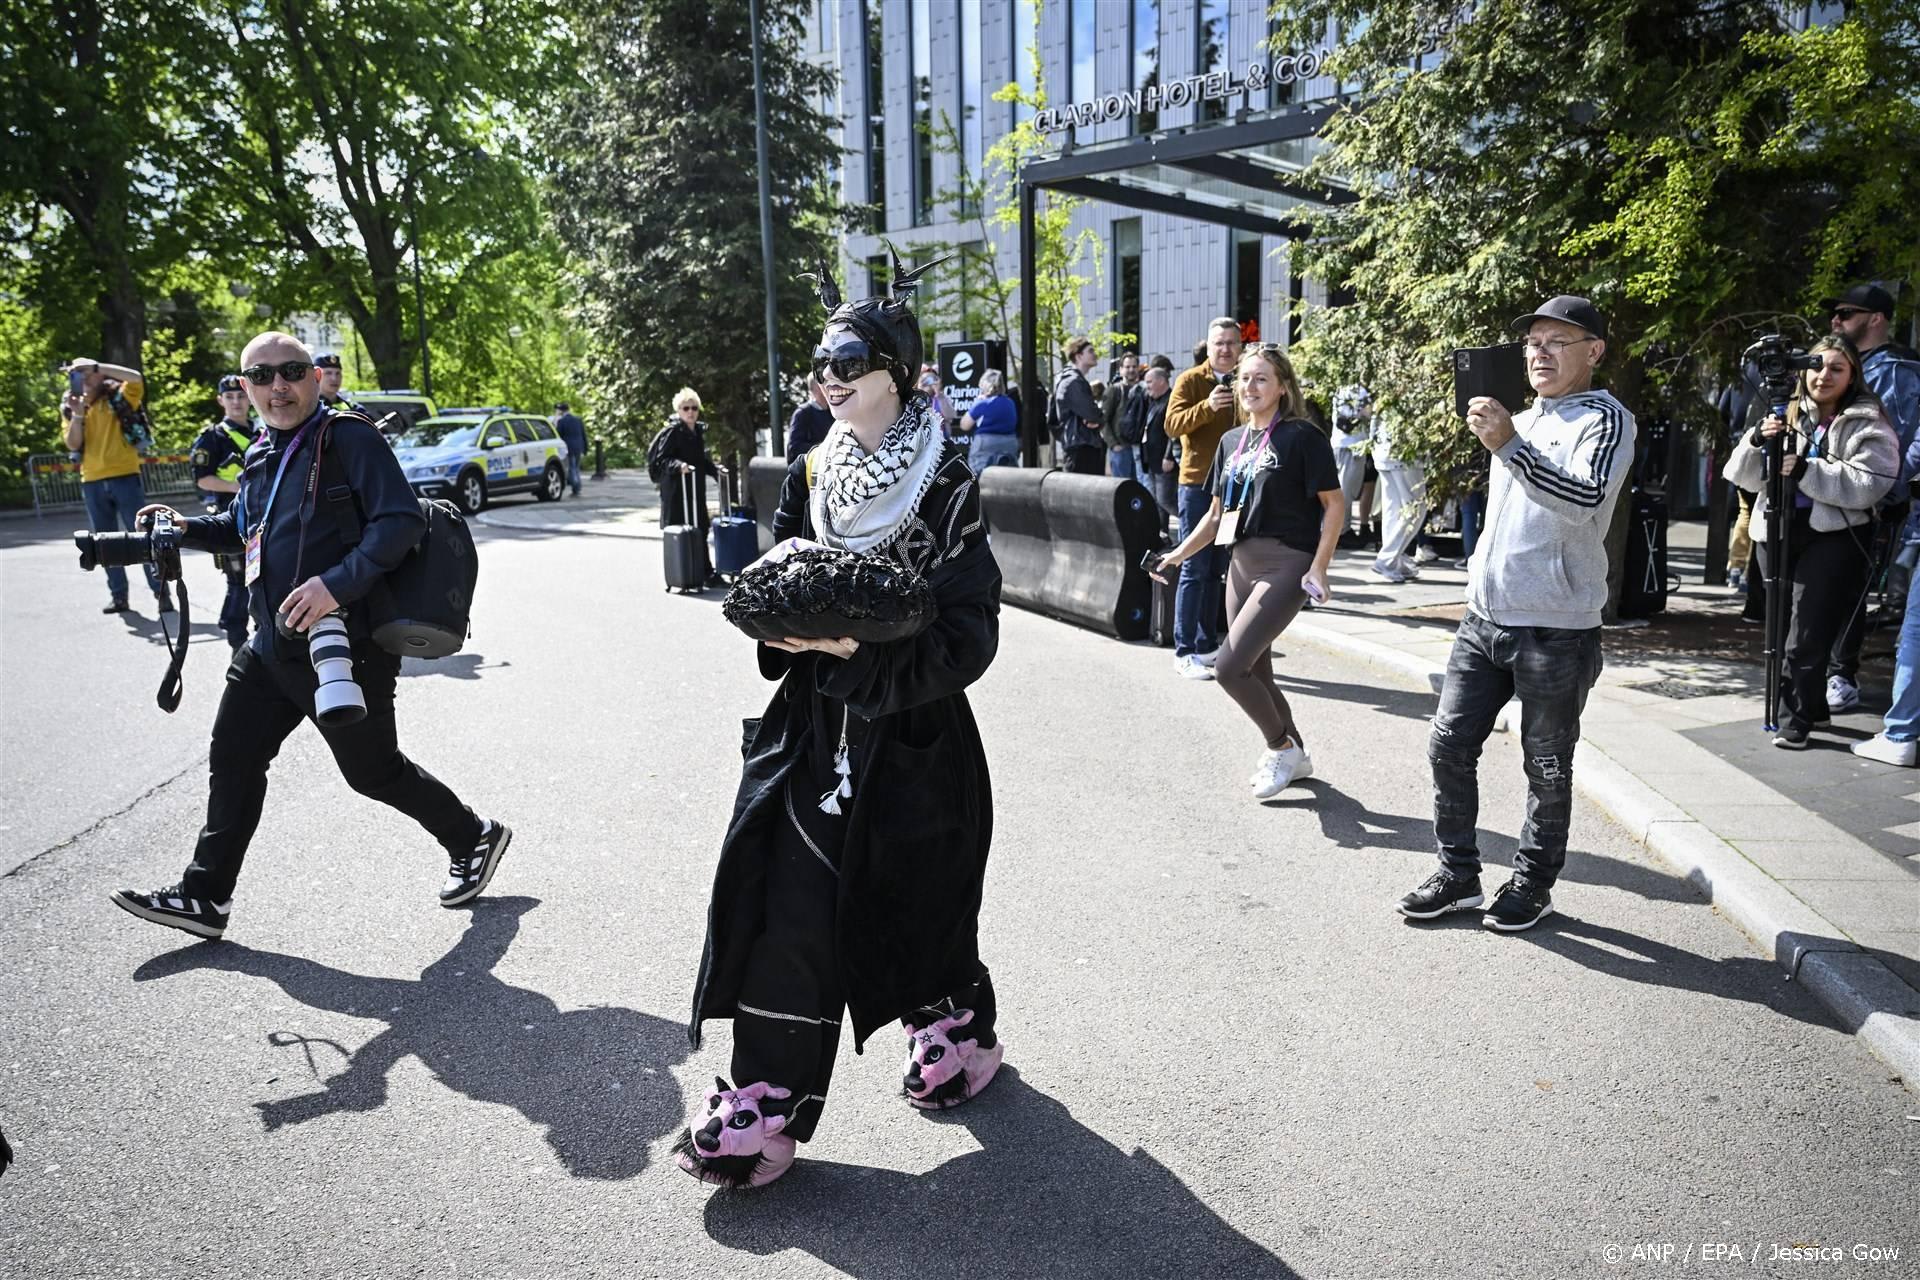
(474,456)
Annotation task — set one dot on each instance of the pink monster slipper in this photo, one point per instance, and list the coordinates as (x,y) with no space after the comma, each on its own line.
(737,1143)
(943,1072)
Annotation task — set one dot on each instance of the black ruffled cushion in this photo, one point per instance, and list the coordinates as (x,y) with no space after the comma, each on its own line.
(824,595)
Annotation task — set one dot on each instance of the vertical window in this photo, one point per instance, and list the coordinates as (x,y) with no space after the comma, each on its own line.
(1145,30)
(1126,276)
(1244,287)
(1212,54)
(1080,38)
(878,279)
(876,105)
(1026,40)
(972,105)
(920,32)
(1278,95)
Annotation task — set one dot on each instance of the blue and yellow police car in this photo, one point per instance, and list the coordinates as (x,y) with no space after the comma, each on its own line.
(473,456)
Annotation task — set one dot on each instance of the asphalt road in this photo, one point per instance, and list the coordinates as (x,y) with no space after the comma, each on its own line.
(1228,1056)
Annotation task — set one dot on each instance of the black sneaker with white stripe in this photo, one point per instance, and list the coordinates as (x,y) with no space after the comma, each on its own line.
(468,873)
(1518,904)
(176,909)
(1440,893)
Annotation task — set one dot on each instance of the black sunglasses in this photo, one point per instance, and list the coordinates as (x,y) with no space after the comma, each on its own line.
(261,375)
(848,362)
(1848,313)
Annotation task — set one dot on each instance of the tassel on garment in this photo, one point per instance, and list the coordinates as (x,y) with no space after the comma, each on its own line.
(830,802)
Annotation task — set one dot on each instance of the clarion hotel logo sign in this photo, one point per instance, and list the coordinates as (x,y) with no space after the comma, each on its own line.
(1182,93)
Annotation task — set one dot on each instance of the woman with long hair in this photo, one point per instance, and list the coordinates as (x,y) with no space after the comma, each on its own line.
(850,878)
(1839,455)
(1278,506)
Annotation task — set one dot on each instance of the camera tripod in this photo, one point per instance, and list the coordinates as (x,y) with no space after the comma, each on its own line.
(1780,489)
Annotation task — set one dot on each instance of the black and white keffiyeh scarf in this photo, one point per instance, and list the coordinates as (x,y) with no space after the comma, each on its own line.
(863,501)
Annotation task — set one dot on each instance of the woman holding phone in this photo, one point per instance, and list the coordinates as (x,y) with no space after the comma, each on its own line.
(1277,506)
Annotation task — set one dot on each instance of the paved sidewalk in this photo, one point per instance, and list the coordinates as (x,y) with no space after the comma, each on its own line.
(624,505)
(1815,854)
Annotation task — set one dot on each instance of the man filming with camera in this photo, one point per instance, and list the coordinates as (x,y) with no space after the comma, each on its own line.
(1535,588)
(306,660)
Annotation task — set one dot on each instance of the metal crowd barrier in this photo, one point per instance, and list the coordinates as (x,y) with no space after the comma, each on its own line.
(56,480)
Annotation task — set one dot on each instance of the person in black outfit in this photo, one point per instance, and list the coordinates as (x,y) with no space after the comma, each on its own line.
(811,421)
(573,433)
(850,880)
(299,568)
(1078,414)
(217,455)
(681,447)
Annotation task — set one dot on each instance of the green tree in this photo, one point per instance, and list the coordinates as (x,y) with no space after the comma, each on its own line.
(655,188)
(1697,167)
(357,124)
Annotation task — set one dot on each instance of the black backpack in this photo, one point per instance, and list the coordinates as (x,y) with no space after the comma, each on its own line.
(423,608)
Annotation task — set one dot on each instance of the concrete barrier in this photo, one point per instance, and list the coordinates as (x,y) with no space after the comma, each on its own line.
(764,478)
(1069,546)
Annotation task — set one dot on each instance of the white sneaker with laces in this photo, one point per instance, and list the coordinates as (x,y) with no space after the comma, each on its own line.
(1208,658)
(1191,668)
(1842,695)
(1884,749)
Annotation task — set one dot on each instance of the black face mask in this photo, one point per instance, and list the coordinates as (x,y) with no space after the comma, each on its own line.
(848,360)
(885,327)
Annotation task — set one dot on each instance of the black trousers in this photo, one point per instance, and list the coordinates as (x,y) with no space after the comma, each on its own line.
(786,1031)
(1824,576)
(264,701)
(1845,658)
(1085,460)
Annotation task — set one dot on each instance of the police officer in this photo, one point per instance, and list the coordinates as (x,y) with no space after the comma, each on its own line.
(299,568)
(331,375)
(217,455)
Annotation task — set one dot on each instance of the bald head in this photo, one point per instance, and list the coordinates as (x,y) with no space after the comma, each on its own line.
(283,402)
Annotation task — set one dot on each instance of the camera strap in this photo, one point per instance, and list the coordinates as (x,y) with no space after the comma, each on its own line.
(171,684)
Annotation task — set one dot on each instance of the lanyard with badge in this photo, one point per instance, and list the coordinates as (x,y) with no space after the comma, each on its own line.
(1229,527)
(259,530)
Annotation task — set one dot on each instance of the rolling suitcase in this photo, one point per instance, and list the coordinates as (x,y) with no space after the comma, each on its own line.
(1160,619)
(684,546)
(736,540)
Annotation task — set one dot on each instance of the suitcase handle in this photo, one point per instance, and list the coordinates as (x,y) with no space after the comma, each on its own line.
(687,491)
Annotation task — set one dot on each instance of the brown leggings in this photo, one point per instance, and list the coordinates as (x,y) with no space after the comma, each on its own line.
(1263,595)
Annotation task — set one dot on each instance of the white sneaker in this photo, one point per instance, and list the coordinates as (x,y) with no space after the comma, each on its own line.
(1842,695)
(1208,658)
(1884,749)
(1392,572)
(1190,668)
(1279,770)
(1425,554)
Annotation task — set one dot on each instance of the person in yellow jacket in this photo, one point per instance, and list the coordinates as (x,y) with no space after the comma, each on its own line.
(105,427)
(1200,410)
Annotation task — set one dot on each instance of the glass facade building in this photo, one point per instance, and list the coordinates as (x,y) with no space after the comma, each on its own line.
(920,116)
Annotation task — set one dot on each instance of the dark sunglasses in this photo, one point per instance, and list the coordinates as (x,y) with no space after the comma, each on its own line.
(848,362)
(1848,313)
(261,375)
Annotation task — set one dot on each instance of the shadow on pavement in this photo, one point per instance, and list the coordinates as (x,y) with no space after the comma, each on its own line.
(149,629)
(456,666)
(596,1080)
(1619,954)
(1404,703)
(1046,1195)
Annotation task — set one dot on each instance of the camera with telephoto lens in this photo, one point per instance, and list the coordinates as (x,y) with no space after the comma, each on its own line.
(159,542)
(338,700)
(1779,363)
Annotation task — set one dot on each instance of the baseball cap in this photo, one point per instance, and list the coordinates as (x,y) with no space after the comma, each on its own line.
(232,382)
(1867,297)
(327,360)
(1570,309)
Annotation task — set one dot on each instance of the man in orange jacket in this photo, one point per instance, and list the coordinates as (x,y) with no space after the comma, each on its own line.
(1201,409)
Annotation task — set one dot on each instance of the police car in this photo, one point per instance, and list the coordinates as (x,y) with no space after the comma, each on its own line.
(476,456)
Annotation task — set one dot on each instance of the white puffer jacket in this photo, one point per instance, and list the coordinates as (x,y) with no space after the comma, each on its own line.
(1860,462)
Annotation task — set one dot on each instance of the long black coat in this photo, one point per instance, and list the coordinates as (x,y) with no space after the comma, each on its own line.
(921,817)
(678,442)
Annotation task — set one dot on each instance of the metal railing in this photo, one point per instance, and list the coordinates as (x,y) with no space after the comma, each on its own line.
(56,479)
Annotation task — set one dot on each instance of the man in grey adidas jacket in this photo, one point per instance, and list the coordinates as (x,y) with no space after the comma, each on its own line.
(1535,588)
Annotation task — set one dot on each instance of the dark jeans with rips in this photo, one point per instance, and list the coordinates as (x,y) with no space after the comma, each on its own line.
(1551,670)
(264,701)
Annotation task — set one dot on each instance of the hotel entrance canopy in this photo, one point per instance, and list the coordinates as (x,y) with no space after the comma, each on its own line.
(1244,174)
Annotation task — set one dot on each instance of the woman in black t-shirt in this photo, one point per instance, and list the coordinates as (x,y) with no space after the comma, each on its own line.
(1277,505)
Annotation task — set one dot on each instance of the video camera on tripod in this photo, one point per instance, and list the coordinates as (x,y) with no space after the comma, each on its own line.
(1780,365)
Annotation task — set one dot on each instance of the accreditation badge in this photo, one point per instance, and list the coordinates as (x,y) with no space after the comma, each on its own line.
(253,558)
(1229,528)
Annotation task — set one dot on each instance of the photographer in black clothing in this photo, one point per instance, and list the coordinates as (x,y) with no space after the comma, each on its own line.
(299,571)
(217,454)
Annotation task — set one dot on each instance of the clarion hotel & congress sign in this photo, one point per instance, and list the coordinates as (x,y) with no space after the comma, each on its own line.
(1180,93)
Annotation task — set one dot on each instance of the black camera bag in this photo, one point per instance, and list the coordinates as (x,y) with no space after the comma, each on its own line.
(422,609)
